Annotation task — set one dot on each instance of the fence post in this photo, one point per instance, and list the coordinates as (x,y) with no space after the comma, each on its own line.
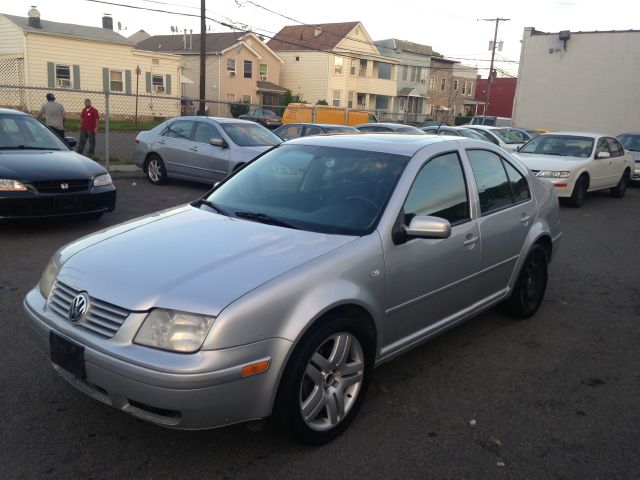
(106,129)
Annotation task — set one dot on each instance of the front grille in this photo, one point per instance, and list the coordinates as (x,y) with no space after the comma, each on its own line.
(58,186)
(102,318)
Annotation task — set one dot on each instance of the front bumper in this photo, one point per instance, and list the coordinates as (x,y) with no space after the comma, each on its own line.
(563,186)
(186,391)
(636,171)
(33,205)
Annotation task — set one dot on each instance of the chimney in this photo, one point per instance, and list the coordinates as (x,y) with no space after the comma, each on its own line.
(34,17)
(184,39)
(191,39)
(317,31)
(107,21)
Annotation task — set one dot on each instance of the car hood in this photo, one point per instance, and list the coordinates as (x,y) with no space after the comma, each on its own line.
(39,165)
(187,259)
(550,162)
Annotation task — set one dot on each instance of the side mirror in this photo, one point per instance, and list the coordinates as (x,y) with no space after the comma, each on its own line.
(429,227)
(71,141)
(218,142)
(603,155)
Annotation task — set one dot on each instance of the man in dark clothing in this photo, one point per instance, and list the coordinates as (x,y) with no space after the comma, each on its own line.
(88,127)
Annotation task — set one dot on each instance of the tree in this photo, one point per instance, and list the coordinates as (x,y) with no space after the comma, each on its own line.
(322,102)
(287,98)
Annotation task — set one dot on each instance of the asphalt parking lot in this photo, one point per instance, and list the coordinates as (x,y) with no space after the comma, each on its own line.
(556,396)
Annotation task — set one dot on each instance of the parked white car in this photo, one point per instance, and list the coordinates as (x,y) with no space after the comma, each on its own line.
(503,137)
(578,162)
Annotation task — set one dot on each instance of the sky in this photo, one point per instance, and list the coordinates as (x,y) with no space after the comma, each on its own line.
(455,28)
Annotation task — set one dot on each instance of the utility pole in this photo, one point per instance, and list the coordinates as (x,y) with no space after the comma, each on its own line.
(493,54)
(203,57)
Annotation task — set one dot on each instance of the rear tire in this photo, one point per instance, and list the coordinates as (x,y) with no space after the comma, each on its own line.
(579,192)
(621,188)
(531,285)
(156,170)
(325,380)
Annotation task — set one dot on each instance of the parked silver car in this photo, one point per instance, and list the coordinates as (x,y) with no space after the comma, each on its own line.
(389,127)
(203,149)
(283,287)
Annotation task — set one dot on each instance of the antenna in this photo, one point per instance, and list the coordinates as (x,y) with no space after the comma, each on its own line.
(120,27)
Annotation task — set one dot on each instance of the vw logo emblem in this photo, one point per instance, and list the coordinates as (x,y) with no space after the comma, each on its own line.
(78,308)
(64,186)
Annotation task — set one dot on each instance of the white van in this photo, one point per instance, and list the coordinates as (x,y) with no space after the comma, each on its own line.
(491,121)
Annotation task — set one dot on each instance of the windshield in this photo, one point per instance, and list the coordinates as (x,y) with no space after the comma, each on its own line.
(561,145)
(630,142)
(467,132)
(407,129)
(250,135)
(25,132)
(509,136)
(315,188)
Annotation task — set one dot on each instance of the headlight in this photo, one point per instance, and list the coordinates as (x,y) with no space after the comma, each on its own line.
(175,331)
(10,185)
(552,174)
(102,180)
(48,277)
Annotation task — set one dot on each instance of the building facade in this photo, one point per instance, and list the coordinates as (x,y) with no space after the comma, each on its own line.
(584,81)
(503,93)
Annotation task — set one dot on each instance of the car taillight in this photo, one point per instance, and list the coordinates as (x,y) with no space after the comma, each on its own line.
(136,141)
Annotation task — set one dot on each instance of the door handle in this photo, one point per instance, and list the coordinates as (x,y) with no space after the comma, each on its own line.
(471,240)
(525,219)
(194,149)
(161,142)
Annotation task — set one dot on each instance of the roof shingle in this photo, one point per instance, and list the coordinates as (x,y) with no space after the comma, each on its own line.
(216,42)
(303,37)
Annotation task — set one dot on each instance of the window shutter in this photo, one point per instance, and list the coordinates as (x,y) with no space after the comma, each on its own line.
(127,82)
(147,77)
(167,85)
(76,77)
(105,79)
(51,74)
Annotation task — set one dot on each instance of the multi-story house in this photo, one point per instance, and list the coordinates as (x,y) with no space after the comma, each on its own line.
(337,63)
(64,57)
(240,67)
(463,88)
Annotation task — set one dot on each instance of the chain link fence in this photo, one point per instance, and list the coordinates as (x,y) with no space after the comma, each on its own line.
(123,116)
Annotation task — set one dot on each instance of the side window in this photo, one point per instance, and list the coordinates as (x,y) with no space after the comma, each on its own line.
(519,186)
(205,132)
(488,136)
(493,185)
(615,147)
(292,132)
(313,130)
(180,129)
(602,146)
(439,190)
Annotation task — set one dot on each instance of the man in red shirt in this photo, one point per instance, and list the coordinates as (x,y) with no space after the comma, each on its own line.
(88,127)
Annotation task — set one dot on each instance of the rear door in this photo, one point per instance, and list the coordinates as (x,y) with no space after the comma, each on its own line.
(618,162)
(210,163)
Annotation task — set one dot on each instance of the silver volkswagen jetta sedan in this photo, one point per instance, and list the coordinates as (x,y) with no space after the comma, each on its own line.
(284,286)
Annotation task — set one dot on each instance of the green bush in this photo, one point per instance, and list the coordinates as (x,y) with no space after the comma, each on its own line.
(238,109)
(460,120)
(322,102)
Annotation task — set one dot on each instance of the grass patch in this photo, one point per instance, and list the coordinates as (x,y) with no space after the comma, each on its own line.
(128,125)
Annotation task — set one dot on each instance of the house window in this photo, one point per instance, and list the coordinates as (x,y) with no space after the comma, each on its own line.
(469,87)
(248,69)
(455,85)
(297,59)
(246,99)
(405,72)
(231,66)
(350,97)
(337,65)
(155,61)
(415,74)
(63,76)
(443,83)
(231,97)
(432,83)
(116,83)
(453,110)
(464,88)
(264,68)
(158,83)
(352,69)
(336,98)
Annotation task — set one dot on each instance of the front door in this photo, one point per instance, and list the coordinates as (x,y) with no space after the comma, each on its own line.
(210,162)
(174,146)
(429,281)
(601,167)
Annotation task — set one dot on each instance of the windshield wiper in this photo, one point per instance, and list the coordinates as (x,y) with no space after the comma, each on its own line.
(264,218)
(27,147)
(209,204)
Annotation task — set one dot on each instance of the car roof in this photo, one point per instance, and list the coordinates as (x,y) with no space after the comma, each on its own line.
(578,134)
(11,111)
(485,127)
(323,125)
(383,124)
(629,133)
(393,143)
(216,119)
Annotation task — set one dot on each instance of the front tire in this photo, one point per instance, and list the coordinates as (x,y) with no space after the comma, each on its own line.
(156,170)
(621,188)
(325,381)
(579,192)
(531,285)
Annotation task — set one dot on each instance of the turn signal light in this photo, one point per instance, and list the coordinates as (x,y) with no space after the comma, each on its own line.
(255,368)
(560,185)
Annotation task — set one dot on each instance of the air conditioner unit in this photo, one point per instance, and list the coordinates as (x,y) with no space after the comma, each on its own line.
(158,88)
(231,73)
(64,83)
(263,77)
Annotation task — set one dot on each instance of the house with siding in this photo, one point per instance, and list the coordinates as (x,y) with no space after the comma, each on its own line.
(338,63)
(240,67)
(65,57)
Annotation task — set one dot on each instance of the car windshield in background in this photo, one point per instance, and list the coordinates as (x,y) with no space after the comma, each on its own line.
(250,135)
(341,130)
(315,188)
(561,145)
(630,142)
(21,132)
(467,132)
(509,136)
